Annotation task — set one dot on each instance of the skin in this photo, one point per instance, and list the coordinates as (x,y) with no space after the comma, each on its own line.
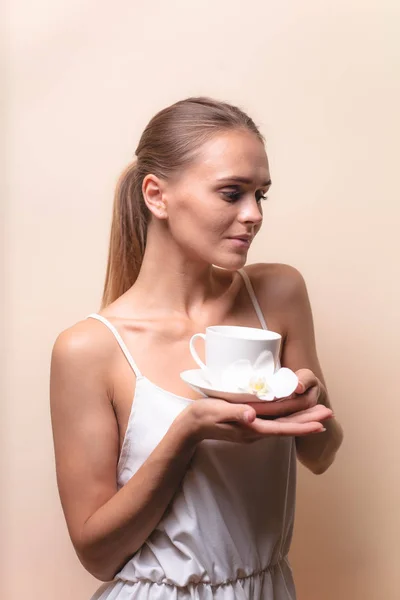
(178,293)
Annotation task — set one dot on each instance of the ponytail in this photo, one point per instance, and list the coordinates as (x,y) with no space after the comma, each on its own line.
(128,235)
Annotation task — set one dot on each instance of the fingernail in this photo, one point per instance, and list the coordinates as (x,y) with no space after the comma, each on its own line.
(246,416)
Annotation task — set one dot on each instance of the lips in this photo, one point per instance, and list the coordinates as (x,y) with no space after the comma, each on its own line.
(244,237)
(238,242)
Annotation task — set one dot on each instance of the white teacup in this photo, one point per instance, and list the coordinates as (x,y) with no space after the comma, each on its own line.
(225,344)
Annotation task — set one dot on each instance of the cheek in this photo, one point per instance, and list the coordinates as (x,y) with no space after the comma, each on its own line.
(199,214)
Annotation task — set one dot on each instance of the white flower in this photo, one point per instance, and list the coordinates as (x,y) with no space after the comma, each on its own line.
(259,379)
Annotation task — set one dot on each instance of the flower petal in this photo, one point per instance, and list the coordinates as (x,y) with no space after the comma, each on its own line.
(265,363)
(283,382)
(236,375)
(259,385)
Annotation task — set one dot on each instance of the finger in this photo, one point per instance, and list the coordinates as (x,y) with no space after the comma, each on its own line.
(284,407)
(316,413)
(306,380)
(285,428)
(229,411)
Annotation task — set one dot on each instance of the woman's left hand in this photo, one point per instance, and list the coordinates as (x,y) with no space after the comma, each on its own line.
(309,391)
(308,384)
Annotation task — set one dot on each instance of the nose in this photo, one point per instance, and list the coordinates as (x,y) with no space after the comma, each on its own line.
(251,212)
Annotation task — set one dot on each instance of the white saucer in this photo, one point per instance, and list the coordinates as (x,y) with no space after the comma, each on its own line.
(195,378)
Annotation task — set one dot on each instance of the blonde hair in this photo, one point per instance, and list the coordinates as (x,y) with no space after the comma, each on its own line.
(168,144)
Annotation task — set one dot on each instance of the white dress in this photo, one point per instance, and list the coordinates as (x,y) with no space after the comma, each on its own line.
(226,534)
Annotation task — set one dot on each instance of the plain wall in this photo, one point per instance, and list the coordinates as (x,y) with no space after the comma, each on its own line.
(322,81)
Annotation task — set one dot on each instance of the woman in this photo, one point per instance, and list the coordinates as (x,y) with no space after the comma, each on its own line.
(171,495)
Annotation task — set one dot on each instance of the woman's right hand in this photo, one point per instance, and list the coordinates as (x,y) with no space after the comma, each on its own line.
(212,418)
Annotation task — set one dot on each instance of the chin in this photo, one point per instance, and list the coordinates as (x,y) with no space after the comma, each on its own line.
(231,263)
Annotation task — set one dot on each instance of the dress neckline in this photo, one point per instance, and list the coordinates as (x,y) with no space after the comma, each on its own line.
(167,392)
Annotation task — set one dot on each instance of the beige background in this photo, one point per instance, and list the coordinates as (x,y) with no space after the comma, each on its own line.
(322,80)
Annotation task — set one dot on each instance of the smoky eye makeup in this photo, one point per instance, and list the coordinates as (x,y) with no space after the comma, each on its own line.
(234,193)
(262,197)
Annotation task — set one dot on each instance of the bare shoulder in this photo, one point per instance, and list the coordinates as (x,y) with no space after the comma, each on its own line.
(283,296)
(85,342)
(277,282)
(81,363)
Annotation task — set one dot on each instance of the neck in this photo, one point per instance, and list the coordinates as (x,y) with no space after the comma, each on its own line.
(177,283)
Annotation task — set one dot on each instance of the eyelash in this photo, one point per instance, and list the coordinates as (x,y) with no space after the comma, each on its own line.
(234,196)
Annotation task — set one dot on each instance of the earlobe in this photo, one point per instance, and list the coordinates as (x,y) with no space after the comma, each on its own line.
(153,196)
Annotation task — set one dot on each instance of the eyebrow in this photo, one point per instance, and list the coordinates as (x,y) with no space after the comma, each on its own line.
(238,179)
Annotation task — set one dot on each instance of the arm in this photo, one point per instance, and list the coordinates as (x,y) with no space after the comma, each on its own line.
(317,453)
(106,526)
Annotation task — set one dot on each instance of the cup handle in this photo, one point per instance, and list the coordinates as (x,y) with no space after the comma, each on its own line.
(193,351)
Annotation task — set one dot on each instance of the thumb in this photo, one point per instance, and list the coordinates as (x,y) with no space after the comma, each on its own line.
(229,411)
(301,388)
(247,414)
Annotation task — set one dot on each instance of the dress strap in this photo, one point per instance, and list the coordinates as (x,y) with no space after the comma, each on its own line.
(253,297)
(120,341)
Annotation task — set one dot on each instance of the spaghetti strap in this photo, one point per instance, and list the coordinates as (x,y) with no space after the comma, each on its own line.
(120,341)
(253,297)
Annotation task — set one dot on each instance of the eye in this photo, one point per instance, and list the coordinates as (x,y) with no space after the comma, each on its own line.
(262,197)
(232,195)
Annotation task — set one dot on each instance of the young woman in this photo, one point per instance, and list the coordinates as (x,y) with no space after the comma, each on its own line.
(169,495)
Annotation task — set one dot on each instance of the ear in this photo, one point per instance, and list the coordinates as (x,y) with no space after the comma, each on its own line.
(154,197)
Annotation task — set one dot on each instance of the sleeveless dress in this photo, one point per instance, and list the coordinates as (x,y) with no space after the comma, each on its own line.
(227,531)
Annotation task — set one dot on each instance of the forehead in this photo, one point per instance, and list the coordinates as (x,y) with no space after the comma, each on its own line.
(234,153)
